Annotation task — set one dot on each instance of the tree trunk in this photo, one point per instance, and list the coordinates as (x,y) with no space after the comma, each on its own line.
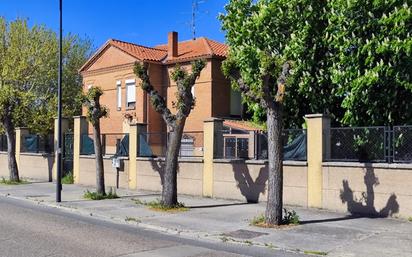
(11,150)
(100,188)
(275,182)
(169,192)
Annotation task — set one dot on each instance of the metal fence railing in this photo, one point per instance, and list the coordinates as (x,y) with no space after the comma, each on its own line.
(368,144)
(67,154)
(113,144)
(347,144)
(155,144)
(34,143)
(3,143)
(254,145)
(402,143)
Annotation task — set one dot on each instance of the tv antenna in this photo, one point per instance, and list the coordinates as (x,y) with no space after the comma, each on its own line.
(195,11)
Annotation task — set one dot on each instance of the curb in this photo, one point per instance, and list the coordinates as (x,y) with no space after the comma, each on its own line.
(188,234)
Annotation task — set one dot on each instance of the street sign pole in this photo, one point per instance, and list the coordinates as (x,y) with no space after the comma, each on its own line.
(59,113)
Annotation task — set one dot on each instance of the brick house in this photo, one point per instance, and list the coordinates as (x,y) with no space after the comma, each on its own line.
(111,68)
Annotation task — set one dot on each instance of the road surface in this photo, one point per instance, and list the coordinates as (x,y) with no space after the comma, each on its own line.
(34,230)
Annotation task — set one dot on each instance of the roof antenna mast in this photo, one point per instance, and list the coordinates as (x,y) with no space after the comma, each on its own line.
(195,10)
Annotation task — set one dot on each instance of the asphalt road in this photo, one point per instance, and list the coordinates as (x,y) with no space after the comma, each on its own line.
(32,230)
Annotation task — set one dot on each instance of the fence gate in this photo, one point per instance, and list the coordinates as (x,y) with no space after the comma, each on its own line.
(67,153)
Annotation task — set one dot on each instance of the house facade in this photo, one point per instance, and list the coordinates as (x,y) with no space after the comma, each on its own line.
(111,68)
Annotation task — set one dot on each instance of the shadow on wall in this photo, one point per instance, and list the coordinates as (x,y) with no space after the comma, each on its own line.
(159,166)
(50,164)
(366,204)
(249,188)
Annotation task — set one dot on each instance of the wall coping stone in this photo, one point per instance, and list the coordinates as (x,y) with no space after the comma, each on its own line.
(44,155)
(406,166)
(104,157)
(260,162)
(183,159)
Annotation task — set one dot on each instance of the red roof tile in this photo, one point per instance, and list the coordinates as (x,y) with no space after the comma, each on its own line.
(193,49)
(140,52)
(242,125)
(187,51)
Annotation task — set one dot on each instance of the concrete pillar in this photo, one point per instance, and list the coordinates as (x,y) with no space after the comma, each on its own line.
(318,125)
(65,128)
(134,131)
(20,133)
(80,128)
(213,147)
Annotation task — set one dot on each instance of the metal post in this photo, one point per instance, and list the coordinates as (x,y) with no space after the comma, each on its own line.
(59,112)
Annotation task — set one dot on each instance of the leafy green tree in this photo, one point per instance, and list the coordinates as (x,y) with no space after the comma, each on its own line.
(309,87)
(95,111)
(176,122)
(75,53)
(28,75)
(258,32)
(371,55)
(20,62)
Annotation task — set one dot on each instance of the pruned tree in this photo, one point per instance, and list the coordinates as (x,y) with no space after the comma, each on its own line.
(257,33)
(175,122)
(95,111)
(19,63)
(14,106)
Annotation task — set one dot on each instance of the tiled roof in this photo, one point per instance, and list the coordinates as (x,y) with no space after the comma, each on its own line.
(242,125)
(193,49)
(187,51)
(140,52)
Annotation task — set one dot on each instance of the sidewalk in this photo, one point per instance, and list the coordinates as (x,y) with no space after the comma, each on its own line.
(321,232)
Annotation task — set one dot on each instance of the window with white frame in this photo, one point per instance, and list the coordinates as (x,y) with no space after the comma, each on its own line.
(130,93)
(119,94)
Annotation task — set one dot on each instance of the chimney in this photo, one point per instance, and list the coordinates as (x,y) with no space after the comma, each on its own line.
(172,44)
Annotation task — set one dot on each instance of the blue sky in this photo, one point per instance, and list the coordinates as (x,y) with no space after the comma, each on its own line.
(144,22)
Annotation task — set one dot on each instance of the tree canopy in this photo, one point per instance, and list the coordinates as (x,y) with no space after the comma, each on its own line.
(351,59)
(28,64)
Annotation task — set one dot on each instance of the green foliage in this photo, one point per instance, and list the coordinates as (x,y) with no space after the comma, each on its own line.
(132,219)
(315,253)
(95,111)
(351,59)
(258,220)
(157,205)
(290,217)
(96,196)
(29,66)
(9,182)
(371,45)
(68,178)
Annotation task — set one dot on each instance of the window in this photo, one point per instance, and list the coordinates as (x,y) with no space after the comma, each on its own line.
(119,95)
(235,103)
(130,94)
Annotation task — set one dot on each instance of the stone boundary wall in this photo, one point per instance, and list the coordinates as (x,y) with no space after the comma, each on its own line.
(87,175)
(33,166)
(369,188)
